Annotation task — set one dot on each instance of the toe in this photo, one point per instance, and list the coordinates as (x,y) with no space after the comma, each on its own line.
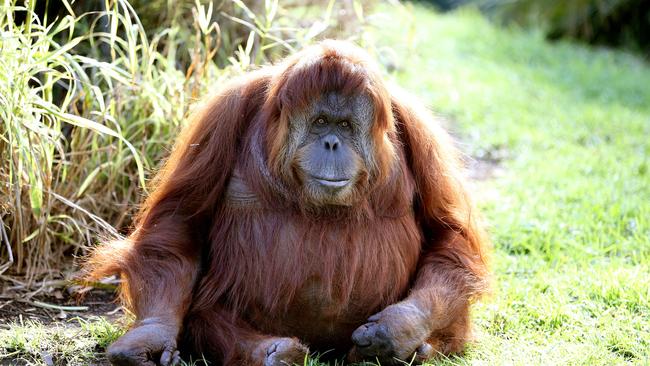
(361,337)
(425,352)
(372,340)
(285,352)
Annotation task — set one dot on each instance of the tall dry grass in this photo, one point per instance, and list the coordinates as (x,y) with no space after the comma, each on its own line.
(91,99)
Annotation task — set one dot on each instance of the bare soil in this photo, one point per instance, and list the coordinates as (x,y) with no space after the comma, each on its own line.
(53,307)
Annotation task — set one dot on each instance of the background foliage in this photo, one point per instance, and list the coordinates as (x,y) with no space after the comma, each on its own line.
(611,22)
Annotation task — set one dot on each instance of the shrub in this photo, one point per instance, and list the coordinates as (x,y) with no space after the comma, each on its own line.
(614,22)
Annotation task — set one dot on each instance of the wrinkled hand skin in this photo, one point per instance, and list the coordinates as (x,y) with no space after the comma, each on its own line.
(280,351)
(396,333)
(151,343)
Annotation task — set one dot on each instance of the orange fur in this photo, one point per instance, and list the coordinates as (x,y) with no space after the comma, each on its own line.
(233,275)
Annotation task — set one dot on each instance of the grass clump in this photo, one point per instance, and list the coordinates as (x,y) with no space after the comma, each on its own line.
(76,342)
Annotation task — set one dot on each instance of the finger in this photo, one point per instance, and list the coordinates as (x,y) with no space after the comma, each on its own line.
(117,358)
(166,356)
(176,359)
(425,352)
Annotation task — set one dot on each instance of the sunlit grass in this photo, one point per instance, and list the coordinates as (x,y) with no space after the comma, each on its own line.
(570,206)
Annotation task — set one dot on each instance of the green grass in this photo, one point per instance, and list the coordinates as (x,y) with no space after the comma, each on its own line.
(74,342)
(569,210)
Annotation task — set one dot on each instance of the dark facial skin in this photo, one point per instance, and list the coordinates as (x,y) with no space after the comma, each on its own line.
(330,159)
(334,147)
